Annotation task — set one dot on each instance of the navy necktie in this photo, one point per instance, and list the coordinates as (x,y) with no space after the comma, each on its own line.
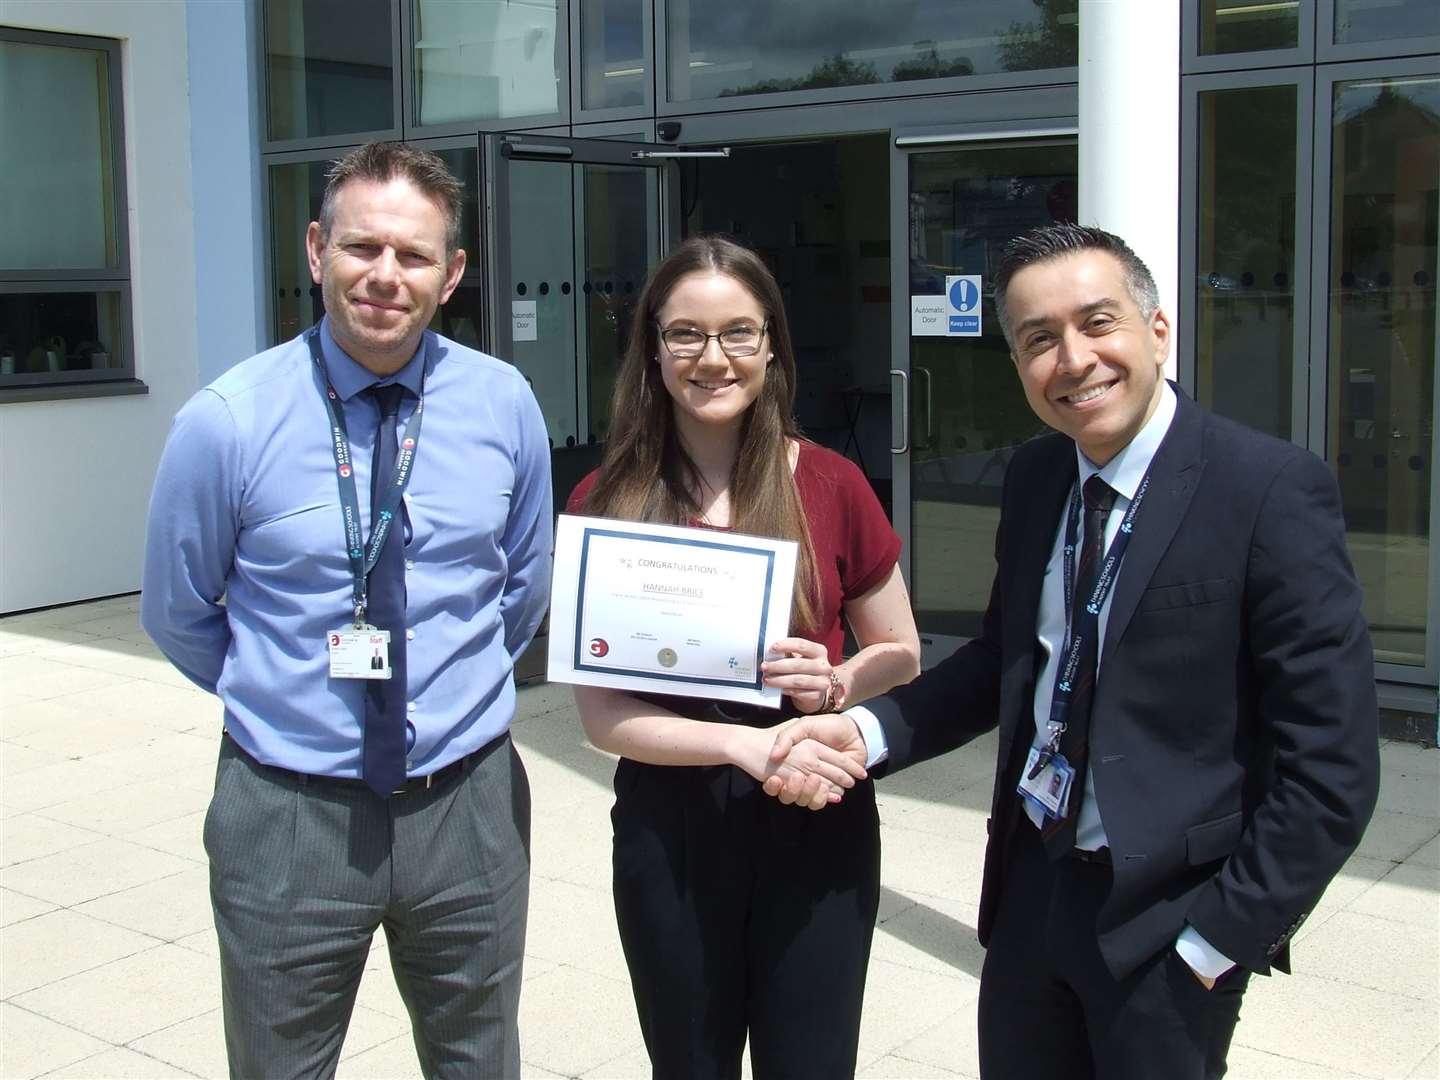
(385,738)
(1098,497)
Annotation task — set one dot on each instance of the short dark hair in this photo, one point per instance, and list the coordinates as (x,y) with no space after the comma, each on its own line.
(384,161)
(1048,242)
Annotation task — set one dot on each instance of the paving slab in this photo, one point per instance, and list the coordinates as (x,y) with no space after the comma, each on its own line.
(161,985)
(1336,1025)
(98,869)
(17,907)
(117,1064)
(33,1045)
(58,944)
(167,909)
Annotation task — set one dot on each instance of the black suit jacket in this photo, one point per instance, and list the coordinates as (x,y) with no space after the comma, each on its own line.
(1233,740)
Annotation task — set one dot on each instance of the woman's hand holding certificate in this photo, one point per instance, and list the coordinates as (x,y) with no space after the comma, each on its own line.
(666,609)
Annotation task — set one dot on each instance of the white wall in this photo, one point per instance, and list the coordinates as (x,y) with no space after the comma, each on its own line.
(75,475)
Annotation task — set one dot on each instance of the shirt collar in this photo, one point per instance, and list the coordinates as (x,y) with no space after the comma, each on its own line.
(1126,469)
(350,378)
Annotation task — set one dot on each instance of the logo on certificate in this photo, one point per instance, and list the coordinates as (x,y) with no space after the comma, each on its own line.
(599,646)
(667,657)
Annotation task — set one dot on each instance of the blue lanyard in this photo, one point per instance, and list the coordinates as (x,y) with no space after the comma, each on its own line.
(362,555)
(1077,629)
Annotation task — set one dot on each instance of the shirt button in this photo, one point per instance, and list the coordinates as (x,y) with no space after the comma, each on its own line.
(409,764)
(409,635)
(409,564)
(410,707)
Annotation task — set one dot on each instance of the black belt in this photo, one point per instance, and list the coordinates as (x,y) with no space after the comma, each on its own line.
(439,777)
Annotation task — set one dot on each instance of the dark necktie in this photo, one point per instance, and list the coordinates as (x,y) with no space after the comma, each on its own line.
(384,744)
(1098,497)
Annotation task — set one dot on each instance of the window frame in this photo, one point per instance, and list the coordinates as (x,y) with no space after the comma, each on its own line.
(120,379)
(1302,78)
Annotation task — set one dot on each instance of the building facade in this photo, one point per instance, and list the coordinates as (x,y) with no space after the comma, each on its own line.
(1280,169)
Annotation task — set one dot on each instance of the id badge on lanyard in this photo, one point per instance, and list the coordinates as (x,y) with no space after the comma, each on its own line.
(1048,779)
(359,650)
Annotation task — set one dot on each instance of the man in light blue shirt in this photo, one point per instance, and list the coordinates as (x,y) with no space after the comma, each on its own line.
(345,803)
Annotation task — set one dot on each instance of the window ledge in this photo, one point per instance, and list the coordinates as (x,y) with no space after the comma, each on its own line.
(69,391)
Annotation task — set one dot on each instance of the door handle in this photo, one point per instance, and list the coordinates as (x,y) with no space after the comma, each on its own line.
(904,447)
(927,384)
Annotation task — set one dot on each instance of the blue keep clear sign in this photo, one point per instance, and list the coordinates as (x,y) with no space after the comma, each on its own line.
(962,296)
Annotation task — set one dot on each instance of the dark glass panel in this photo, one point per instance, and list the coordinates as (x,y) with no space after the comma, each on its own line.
(613,67)
(1233,26)
(758,46)
(328,67)
(1245,277)
(1385,20)
(1382,272)
(52,332)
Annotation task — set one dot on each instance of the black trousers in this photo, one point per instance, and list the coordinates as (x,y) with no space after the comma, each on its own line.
(1050,1008)
(742,916)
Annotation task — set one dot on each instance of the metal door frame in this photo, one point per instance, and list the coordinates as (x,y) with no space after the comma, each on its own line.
(905,142)
(497,149)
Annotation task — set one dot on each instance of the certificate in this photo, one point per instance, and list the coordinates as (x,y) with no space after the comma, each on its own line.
(666,609)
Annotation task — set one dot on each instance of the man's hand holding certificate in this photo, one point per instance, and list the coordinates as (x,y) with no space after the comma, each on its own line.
(665,609)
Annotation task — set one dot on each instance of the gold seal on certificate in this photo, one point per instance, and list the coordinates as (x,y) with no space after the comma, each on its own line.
(666,609)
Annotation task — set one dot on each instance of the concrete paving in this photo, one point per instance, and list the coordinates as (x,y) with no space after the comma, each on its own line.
(108,961)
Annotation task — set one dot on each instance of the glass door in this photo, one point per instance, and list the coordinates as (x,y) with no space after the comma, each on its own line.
(573,228)
(963,413)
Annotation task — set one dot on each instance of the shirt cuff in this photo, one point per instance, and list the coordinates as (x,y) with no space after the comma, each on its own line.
(1203,958)
(876,749)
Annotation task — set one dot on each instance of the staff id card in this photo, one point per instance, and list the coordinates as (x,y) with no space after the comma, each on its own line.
(1047,784)
(359,654)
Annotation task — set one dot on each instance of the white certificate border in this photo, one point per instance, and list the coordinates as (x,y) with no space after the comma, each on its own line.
(588,531)
(563,602)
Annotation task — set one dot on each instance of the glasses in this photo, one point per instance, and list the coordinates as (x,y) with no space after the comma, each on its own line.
(685,343)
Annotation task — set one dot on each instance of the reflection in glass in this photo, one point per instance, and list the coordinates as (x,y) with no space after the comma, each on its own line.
(295,194)
(296,190)
(539,231)
(50,332)
(487,60)
(328,67)
(620,242)
(1382,272)
(968,411)
(55,149)
(1232,26)
(758,46)
(1245,279)
(1385,20)
(613,70)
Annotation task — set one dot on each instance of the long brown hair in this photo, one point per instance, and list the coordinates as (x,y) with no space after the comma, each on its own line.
(647,474)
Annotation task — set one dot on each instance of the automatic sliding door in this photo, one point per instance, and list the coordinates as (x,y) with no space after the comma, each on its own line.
(967,412)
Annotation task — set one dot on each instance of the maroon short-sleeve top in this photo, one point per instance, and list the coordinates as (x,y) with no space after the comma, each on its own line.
(855,545)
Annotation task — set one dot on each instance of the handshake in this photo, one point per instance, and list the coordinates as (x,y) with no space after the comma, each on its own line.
(810,762)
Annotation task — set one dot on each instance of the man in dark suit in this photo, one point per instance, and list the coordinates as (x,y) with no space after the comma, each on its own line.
(1176,658)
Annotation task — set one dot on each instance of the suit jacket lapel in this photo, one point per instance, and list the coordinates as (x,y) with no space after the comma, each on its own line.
(1174,474)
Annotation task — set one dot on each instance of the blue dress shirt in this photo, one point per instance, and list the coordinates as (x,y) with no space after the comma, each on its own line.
(246,509)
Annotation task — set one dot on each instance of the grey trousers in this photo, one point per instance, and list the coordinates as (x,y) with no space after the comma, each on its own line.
(302,872)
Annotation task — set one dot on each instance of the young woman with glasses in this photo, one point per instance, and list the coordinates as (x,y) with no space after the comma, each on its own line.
(740,916)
